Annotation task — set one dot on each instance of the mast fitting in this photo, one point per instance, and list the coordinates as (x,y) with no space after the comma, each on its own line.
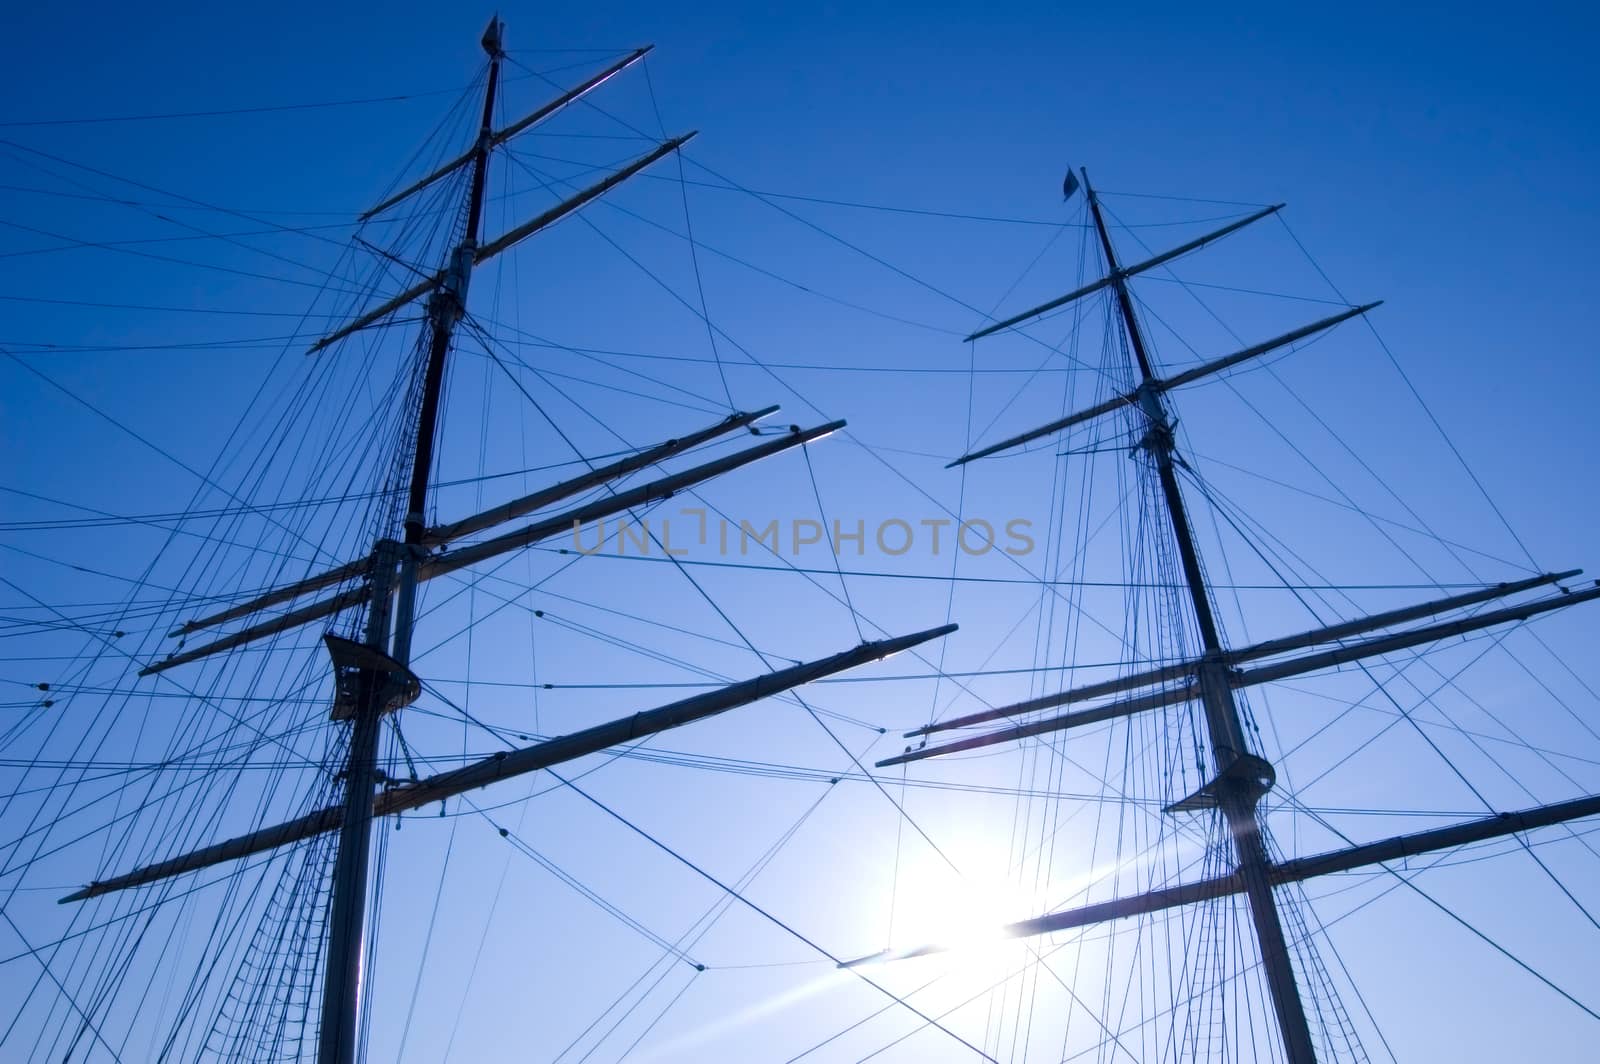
(493,36)
(1247,775)
(449,301)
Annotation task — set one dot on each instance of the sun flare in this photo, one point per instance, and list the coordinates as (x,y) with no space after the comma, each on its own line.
(953,915)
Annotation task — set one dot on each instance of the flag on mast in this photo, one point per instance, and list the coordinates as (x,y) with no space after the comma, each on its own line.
(1069,186)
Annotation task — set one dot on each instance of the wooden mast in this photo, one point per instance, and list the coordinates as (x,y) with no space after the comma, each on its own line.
(375,686)
(373,676)
(1242,777)
(448,302)
(1236,793)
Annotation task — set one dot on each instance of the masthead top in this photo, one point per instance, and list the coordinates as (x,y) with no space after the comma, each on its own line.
(492,36)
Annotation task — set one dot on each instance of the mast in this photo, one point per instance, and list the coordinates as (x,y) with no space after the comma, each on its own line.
(1241,777)
(373,676)
(1237,793)
(448,302)
(375,687)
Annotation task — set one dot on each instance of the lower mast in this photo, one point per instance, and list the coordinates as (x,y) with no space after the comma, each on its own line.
(379,684)
(341,984)
(1236,792)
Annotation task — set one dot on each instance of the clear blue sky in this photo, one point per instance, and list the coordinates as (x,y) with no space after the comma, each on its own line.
(1442,160)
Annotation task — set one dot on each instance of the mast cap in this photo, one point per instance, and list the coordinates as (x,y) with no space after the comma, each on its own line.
(492,36)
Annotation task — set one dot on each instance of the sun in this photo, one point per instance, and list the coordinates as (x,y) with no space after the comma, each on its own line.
(953,914)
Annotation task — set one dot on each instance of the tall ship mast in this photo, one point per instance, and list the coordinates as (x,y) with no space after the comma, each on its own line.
(1238,776)
(1078,828)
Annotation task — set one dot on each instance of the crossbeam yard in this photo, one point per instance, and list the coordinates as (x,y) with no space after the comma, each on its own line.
(511,763)
(1269,648)
(529,120)
(442,564)
(1190,688)
(505,241)
(1295,870)
(1119,274)
(442,535)
(439,535)
(1160,385)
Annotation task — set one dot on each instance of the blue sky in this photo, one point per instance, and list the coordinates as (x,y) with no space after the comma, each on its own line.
(1440,160)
